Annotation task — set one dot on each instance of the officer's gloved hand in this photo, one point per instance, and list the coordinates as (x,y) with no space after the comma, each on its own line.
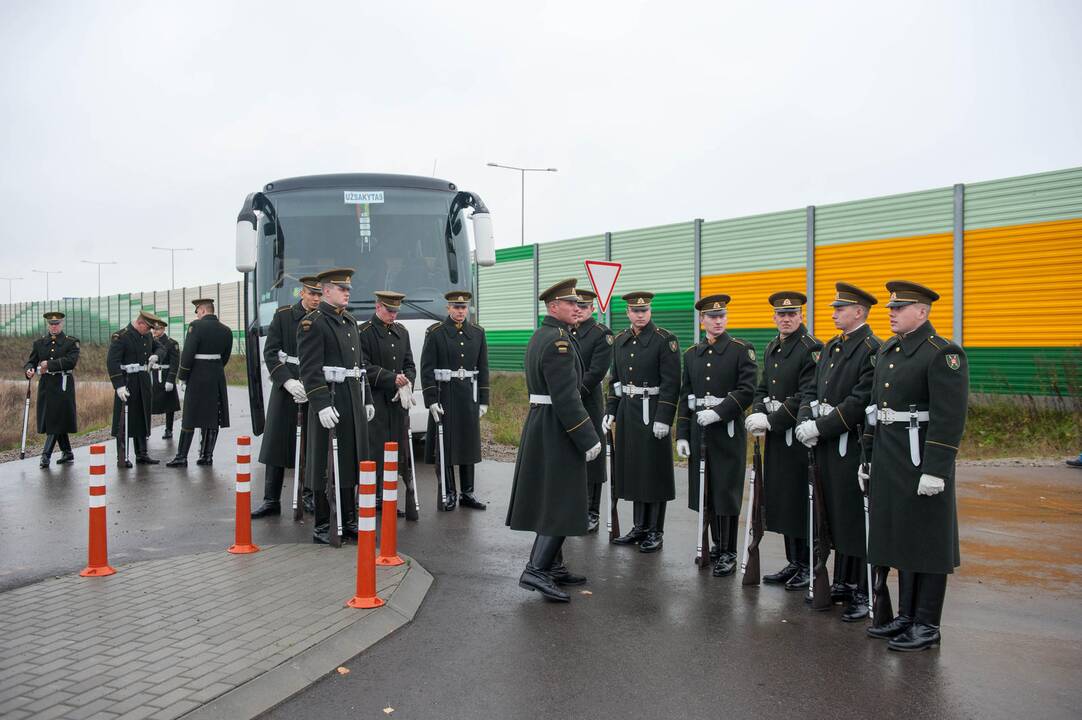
(864,473)
(660,430)
(370,412)
(437,410)
(328,417)
(593,452)
(706,417)
(606,423)
(152,360)
(807,432)
(296,389)
(757,424)
(930,485)
(168,386)
(123,393)
(405,397)
(683,448)
(482,410)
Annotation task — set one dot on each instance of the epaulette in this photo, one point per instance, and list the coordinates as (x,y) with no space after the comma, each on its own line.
(809,341)
(432,327)
(891,342)
(664,333)
(477,326)
(365,325)
(738,341)
(116,335)
(399,325)
(872,342)
(73,338)
(935,344)
(604,328)
(284,307)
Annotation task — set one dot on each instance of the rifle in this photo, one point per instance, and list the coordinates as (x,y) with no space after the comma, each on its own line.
(702,555)
(880,610)
(298,465)
(333,470)
(26,417)
(441,466)
(126,422)
(614,515)
(819,538)
(750,566)
(413,502)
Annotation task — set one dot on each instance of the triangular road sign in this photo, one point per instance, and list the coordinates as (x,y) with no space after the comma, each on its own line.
(603,277)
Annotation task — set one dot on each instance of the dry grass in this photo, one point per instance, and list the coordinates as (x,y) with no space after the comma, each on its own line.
(94,401)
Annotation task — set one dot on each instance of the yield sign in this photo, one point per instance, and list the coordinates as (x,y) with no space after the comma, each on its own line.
(603,277)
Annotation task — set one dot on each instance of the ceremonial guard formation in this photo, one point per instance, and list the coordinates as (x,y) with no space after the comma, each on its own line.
(788,371)
(594,343)
(716,389)
(454,381)
(287,405)
(52,358)
(131,353)
(201,375)
(163,377)
(549,489)
(643,388)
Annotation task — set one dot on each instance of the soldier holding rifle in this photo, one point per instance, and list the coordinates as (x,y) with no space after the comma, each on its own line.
(920,396)
(131,353)
(52,358)
(717,387)
(163,376)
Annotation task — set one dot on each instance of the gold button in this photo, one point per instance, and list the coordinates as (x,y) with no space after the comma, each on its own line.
(392,344)
(891,366)
(886,384)
(392,357)
(897,349)
(630,369)
(462,354)
(707,377)
(461,343)
(632,354)
(774,381)
(831,364)
(350,347)
(633,342)
(884,403)
(836,348)
(775,364)
(708,364)
(710,351)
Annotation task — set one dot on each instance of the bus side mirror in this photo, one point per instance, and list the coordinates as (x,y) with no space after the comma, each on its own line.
(485,242)
(246,245)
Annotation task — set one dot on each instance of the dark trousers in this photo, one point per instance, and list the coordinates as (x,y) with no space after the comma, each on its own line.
(649,516)
(921,596)
(465,478)
(723,530)
(347,511)
(796,550)
(594,506)
(273,478)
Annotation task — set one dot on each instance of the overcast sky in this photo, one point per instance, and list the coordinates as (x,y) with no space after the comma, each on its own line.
(132,124)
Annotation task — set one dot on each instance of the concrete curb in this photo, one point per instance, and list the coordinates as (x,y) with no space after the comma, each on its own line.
(282,682)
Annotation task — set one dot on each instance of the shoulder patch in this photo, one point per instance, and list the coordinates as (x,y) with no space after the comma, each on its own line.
(115,336)
(751,353)
(562,346)
(609,338)
(306,325)
(815,355)
(954,360)
(874,357)
(673,345)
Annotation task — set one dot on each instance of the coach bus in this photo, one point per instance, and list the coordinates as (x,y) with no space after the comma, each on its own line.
(400,232)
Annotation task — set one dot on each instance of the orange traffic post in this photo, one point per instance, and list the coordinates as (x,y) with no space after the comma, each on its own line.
(243,535)
(366,540)
(97,549)
(388,539)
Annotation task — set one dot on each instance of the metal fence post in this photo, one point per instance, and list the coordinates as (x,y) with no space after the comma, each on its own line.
(536,283)
(809,255)
(698,265)
(959,260)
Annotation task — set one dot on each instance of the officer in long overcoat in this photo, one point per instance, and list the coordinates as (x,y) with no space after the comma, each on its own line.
(53,357)
(207,349)
(920,396)
(278,449)
(788,371)
(548,492)
(163,377)
(831,420)
(339,397)
(131,352)
(717,387)
(594,342)
(456,348)
(643,386)
(391,372)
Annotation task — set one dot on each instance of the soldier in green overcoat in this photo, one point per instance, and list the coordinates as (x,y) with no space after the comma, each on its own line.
(128,361)
(920,395)
(53,357)
(594,343)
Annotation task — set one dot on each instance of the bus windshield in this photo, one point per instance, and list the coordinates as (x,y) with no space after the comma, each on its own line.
(393,237)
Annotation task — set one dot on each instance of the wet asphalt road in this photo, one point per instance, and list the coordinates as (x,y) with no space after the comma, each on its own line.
(656,638)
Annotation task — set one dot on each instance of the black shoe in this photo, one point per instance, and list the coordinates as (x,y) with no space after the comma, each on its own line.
(1076,462)
(123,463)
(269,507)
(857,609)
(322,535)
(633,537)
(917,636)
(652,543)
(562,576)
(894,628)
(178,461)
(532,579)
(800,580)
(400,513)
(349,529)
(469,501)
(145,460)
(715,552)
(724,565)
(204,461)
(411,509)
(593,522)
(309,504)
(66,458)
(840,593)
(44,461)
(783,575)
(452,501)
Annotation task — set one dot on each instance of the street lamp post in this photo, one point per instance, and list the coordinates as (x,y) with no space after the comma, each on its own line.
(47,273)
(522,172)
(10,280)
(172,257)
(99,264)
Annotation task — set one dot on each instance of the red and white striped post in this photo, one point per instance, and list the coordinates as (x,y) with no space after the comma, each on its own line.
(366,540)
(242,539)
(97,549)
(388,539)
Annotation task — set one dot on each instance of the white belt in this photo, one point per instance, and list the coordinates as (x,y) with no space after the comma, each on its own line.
(133,368)
(284,358)
(540,399)
(63,377)
(914,417)
(822,409)
(207,356)
(773,405)
(333,374)
(709,401)
(617,389)
(446,375)
(159,368)
(645,391)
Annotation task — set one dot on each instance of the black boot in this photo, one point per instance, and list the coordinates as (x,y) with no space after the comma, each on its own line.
(726,563)
(168,434)
(906,602)
(924,632)
(122,460)
(321,526)
(465,472)
(840,593)
(47,451)
(411,501)
(66,456)
(536,575)
(802,577)
(449,484)
(858,602)
(141,457)
(559,572)
(655,528)
(185,444)
(208,438)
(786,573)
(273,478)
(638,530)
(715,535)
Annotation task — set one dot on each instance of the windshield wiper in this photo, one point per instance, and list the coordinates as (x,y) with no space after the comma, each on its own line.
(358,304)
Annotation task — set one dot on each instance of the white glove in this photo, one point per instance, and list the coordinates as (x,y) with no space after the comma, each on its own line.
(123,393)
(930,485)
(807,432)
(405,397)
(483,409)
(606,423)
(182,385)
(296,389)
(152,360)
(437,410)
(660,430)
(864,473)
(369,412)
(757,424)
(168,386)
(593,452)
(706,417)
(683,448)
(328,417)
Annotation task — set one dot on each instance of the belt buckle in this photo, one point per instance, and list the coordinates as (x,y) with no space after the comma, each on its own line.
(886,417)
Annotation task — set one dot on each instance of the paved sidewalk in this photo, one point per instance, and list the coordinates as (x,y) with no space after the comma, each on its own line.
(218,634)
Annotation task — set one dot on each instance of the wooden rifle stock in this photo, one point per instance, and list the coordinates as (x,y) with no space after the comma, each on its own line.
(820,540)
(26,418)
(705,518)
(614,516)
(882,611)
(752,571)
